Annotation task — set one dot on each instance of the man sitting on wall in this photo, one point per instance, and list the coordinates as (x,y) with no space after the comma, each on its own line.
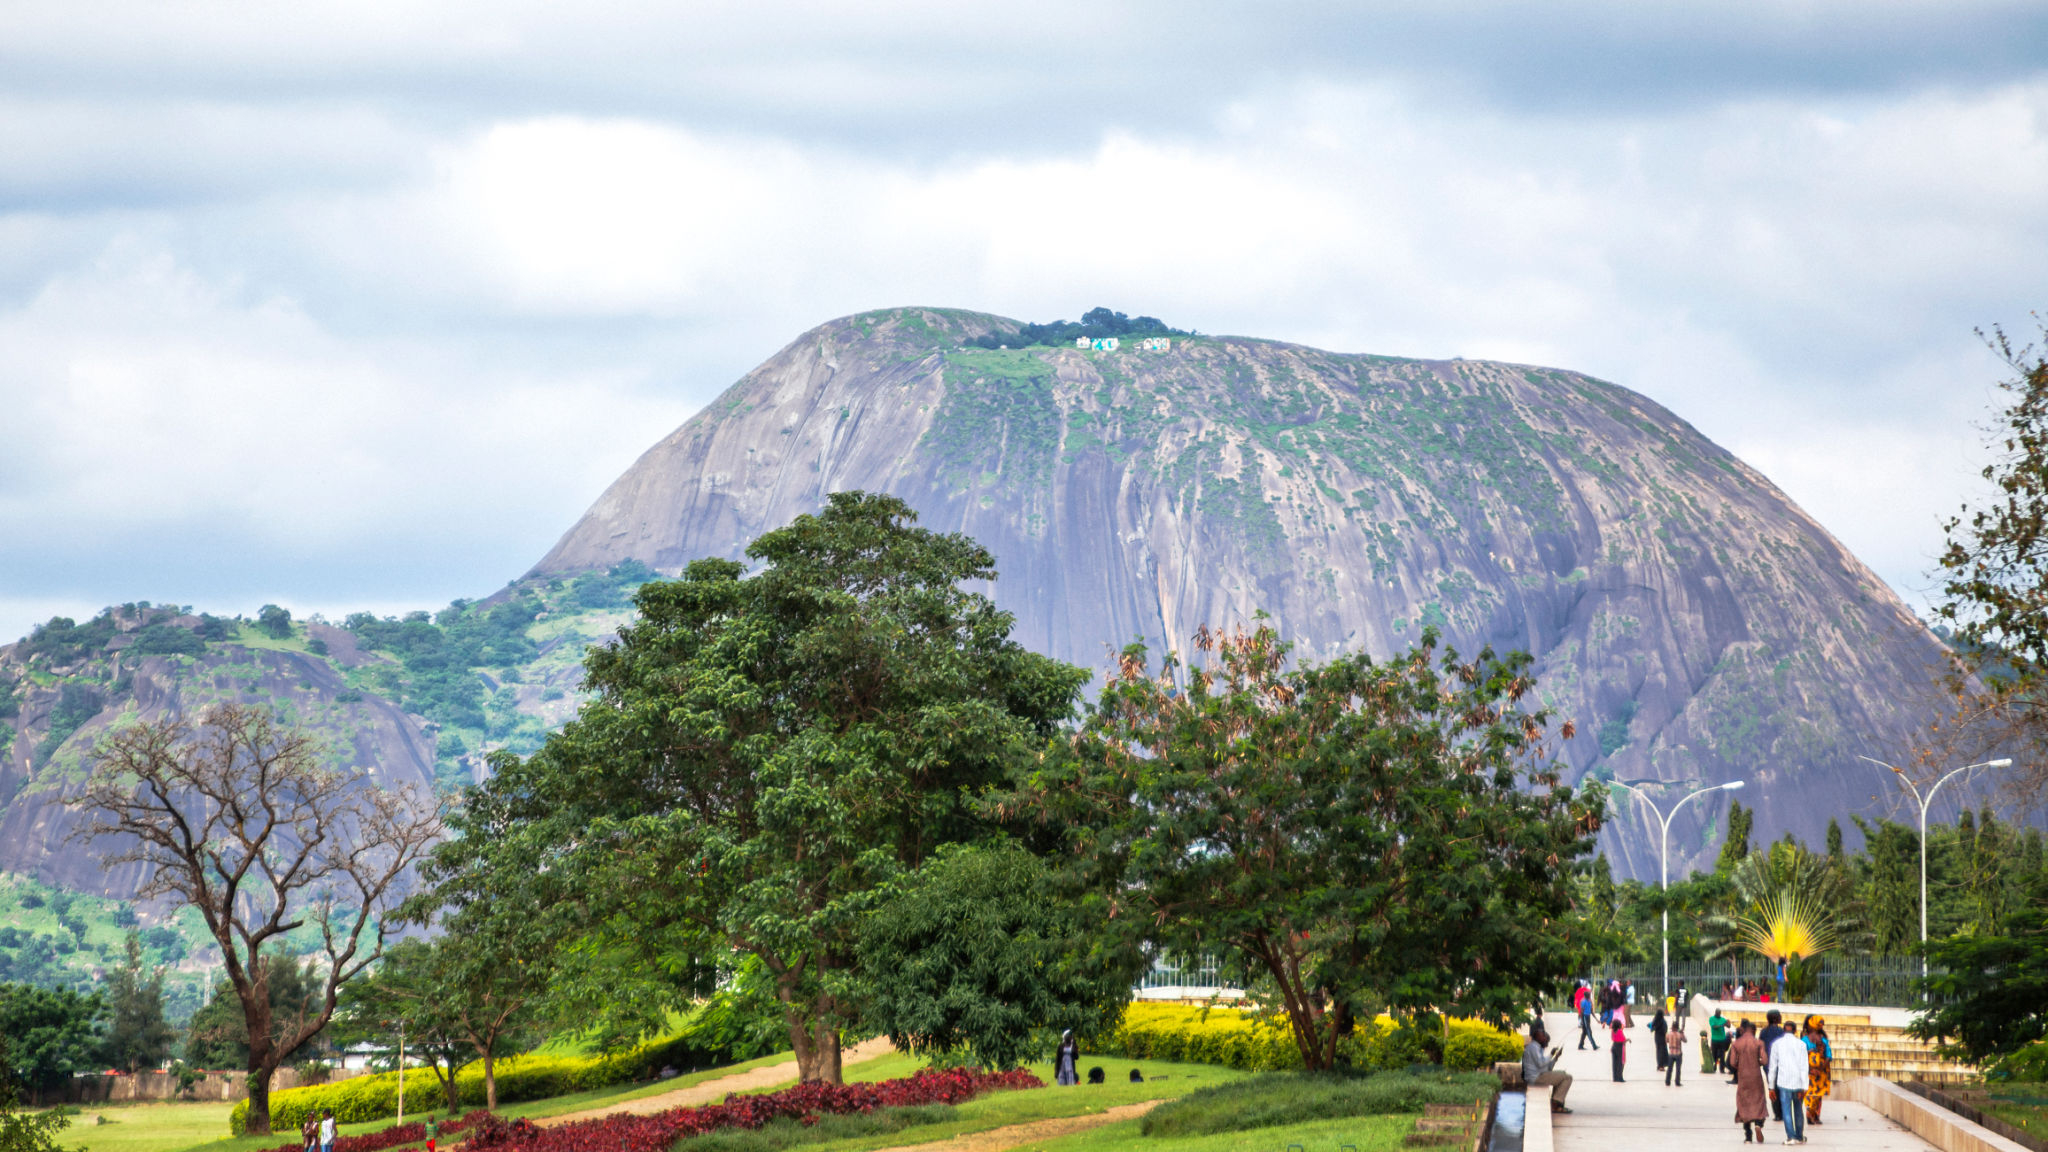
(1537,1068)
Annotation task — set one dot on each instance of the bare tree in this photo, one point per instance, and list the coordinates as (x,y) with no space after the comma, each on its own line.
(238,818)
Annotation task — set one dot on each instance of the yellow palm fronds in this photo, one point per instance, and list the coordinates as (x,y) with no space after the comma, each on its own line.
(1787,924)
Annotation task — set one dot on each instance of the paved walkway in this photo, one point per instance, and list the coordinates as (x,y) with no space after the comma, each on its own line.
(1643,1114)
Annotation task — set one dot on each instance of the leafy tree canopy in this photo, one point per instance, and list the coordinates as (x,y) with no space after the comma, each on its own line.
(1991,996)
(764,753)
(1095,324)
(1358,834)
(51,1033)
(980,954)
(138,1036)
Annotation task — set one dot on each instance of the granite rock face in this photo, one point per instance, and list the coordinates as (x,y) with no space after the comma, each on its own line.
(1693,622)
(62,704)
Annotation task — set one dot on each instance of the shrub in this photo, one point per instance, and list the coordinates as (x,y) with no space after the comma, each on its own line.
(659,1132)
(2029,1065)
(526,1077)
(1474,1046)
(1238,1039)
(1190,1035)
(391,1137)
(1291,1098)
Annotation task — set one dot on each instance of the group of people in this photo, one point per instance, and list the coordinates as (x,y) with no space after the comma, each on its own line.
(1746,990)
(1789,1071)
(1614,1001)
(319,1132)
(1777,1071)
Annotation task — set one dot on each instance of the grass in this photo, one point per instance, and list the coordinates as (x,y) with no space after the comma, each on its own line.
(1367,1133)
(1277,1098)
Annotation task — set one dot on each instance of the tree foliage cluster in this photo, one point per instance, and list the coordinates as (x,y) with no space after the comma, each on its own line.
(438,653)
(1095,324)
(836,788)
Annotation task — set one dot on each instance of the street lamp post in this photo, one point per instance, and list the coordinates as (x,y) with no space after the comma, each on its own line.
(1926,802)
(1664,859)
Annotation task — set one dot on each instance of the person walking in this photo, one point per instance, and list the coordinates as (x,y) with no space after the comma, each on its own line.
(1746,1058)
(1541,1069)
(1820,1063)
(1773,1028)
(1585,1006)
(1717,1037)
(1628,1003)
(1788,1077)
(309,1132)
(1064,1058)
(1658,1027)
(327,1131)
(1618,1044)
(1684,1003)
(1674,1055)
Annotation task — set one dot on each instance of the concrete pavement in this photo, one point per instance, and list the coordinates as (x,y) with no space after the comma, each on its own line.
(1642,1115)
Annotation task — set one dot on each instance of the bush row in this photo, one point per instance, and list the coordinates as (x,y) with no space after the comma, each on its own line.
(1237,1039)
(407,1133)
(525,1077)
(658,1132)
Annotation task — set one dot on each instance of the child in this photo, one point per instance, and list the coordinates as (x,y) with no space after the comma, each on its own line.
(1618,1045)
(433,1130)
(1674,1066)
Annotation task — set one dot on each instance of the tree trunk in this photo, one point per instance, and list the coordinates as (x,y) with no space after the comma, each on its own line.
(825,1050)
(490,1081)
(259,1102)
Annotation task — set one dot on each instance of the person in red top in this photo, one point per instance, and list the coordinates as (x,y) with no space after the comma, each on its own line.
(1620,1043)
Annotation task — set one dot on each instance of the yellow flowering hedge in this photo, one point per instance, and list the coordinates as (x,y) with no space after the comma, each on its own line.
(525,1077)
(1226,1036)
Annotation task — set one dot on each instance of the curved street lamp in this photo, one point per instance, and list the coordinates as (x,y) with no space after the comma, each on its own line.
(1925,802)
(1664,858)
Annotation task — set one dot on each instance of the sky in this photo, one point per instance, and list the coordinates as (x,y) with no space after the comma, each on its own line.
(359,306)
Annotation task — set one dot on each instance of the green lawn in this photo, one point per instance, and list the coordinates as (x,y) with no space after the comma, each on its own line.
(1001,1109)
(1368,1133)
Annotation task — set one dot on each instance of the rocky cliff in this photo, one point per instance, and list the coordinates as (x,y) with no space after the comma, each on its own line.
(1694,622)
(66,685)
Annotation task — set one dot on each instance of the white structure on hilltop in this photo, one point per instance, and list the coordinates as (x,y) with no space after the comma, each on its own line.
(1156,344)
(1106,344)
(1083,343)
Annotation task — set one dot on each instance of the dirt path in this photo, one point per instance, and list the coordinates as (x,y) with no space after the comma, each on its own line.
(1018,1135)
(713,1091)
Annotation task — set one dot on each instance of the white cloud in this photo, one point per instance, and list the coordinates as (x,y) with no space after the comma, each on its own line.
(329,344)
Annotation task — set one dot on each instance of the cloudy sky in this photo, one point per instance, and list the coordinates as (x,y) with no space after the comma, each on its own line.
(360,305)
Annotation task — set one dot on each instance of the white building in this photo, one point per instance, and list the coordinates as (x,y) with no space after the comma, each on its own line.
(1156,344)
(1106,344)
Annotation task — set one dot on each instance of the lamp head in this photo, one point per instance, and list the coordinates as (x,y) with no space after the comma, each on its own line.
(2004,762)
(1732,785)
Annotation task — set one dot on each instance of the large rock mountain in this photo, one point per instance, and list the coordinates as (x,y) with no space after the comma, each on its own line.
(67,685)
(1695,624)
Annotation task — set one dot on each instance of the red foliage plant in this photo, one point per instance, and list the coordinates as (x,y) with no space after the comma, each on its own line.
(623,1132)
(408,1133)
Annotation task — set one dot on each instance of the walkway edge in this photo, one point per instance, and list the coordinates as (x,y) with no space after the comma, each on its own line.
(1536,1135)
(1925,1119)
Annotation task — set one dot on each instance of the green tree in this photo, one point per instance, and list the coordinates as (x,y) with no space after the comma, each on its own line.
(764,754)
(217,1036)
(19,1131)
(1735,848)
(138,1036)
(51,1033)
(401,998)
(274,622)
(1988,995)
(1789,905)
(1887,878)
(981,954)
(1357,834)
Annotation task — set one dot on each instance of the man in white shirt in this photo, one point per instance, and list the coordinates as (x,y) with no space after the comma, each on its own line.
(327,1130)
(1786,1073)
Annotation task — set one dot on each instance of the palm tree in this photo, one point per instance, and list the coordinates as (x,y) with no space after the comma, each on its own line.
(1789,906)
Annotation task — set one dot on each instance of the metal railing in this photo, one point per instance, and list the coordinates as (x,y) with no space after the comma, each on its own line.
(1878,981)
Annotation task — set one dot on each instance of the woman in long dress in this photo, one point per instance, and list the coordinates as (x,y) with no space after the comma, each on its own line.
(1065,1058)
(1746,1056)
(1820,1056)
